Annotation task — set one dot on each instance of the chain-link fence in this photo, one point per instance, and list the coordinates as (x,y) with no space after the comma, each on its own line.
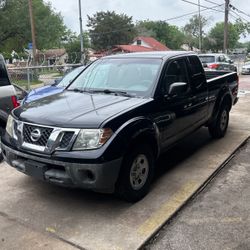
(33,77)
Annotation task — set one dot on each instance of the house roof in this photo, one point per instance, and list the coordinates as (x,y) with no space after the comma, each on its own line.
(132,48)
(153,43)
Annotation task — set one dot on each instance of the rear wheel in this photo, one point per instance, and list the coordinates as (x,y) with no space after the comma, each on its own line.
(136,173)
(218,128)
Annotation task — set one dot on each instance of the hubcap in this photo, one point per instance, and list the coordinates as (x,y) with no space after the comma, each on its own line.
(223,120)
(139,172)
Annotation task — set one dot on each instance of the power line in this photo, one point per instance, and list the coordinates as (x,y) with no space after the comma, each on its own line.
(213,8)
(169,19)
(240,11)
(213,2)
(194,12)
(239,16)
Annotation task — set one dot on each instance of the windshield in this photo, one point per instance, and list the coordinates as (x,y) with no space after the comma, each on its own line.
(70,76)
(207,59)
(130,75)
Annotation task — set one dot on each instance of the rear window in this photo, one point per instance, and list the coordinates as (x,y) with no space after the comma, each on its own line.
(207,59)
(4,79)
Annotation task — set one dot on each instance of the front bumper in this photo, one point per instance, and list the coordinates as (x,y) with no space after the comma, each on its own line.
(100,177)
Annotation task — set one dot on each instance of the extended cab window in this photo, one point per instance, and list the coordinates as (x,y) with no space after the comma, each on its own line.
(4,79)
(197,72)
(176,72)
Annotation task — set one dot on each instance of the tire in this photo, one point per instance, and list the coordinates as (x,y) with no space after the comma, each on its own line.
(136,174)
(218,128)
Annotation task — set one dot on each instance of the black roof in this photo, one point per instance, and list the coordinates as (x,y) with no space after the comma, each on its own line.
(153,54)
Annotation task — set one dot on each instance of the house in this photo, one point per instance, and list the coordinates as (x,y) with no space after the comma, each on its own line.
(54,56)
(140,44)
(130,48)
(150,42)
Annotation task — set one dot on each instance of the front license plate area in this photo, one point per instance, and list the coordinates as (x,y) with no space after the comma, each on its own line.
(35,169)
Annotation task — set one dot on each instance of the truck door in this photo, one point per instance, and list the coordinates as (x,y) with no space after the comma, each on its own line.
(177,115)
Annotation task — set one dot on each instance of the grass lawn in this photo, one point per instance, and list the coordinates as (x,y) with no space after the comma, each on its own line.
(24,83)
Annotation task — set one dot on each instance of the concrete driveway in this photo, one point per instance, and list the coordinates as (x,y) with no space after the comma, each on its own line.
(36,215)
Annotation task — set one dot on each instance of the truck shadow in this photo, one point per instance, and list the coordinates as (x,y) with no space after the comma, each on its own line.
(181,152)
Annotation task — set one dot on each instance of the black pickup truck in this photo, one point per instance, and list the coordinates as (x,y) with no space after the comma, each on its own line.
(106,130)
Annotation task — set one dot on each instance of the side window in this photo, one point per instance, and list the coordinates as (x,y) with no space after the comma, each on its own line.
(197,72)
(221,58)
(175,72)
(4,79)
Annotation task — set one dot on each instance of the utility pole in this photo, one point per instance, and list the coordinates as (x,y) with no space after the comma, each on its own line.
(225,47)
(81,32)
(32,23)
(200,26)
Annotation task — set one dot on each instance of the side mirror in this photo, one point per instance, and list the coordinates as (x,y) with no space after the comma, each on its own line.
(177,88)
(231,61)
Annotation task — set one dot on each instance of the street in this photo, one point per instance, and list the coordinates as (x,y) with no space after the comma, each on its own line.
(37,215)
(217,218)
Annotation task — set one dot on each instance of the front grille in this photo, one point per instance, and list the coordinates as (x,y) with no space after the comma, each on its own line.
(45,134)
(66,139)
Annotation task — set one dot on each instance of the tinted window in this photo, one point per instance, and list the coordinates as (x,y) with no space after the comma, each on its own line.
(176,72)
(197,72)
(4,79)
(196,66)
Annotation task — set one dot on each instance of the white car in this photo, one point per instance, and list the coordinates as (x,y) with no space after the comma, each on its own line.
(246,68)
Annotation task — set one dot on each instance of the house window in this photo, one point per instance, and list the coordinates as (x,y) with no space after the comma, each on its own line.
(138,42)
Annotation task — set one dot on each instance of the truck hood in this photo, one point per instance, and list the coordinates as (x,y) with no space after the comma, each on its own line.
(76,110)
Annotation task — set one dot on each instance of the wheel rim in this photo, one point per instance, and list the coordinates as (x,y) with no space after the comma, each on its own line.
(223,120)
(139,172)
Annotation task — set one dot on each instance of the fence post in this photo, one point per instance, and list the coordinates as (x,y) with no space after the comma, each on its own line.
(28,78)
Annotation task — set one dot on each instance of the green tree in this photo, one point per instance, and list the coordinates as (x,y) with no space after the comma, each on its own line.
(107,29)
(216,37)
(165,33)
(73,48)
(192,30)
(15,29)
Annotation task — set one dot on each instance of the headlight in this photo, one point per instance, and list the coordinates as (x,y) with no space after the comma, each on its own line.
(10,126)
(92,138)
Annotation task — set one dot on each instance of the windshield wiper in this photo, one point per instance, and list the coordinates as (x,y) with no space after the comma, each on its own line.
(109,91)
(76,90)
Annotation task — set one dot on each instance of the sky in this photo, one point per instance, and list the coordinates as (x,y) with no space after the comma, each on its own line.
(149,9)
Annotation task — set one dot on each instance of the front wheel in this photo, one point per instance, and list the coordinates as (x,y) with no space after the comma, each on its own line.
(136,173)
(218,128)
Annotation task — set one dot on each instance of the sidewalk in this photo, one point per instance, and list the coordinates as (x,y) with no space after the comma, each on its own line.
(218,218)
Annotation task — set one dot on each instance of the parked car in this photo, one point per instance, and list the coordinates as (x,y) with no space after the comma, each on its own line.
(8,99)
(106,130)
(246,68)
(57,87)
(217,62)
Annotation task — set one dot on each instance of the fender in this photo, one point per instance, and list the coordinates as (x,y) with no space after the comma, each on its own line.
(138,128)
